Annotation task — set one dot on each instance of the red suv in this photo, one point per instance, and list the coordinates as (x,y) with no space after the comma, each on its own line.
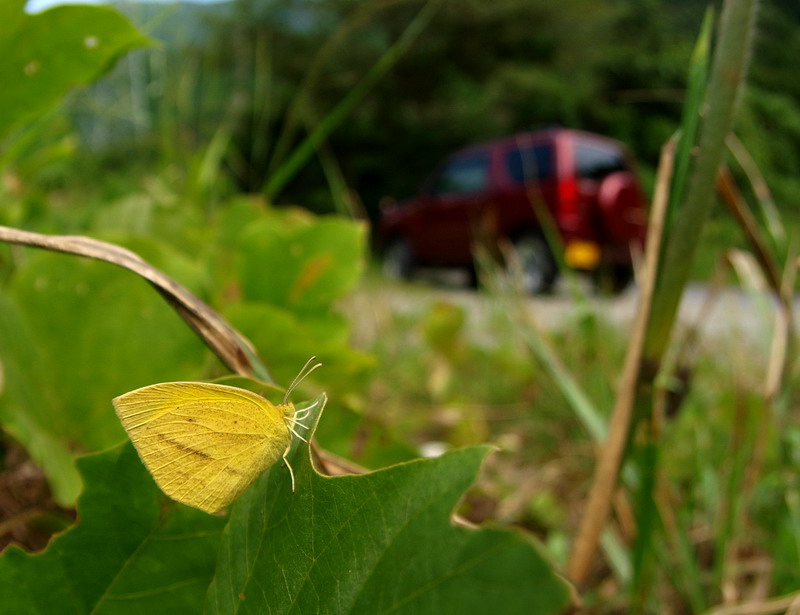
(492,192)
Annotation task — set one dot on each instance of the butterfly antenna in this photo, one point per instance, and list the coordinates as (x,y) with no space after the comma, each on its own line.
(300,376)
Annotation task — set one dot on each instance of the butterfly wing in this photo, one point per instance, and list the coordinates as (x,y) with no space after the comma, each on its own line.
(203,443)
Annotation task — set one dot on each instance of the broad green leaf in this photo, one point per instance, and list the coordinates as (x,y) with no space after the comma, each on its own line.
(101,332)
(43,56)
(293,260)
(132,550)
(362,438)
(286,340)
(27,402)
(376,543)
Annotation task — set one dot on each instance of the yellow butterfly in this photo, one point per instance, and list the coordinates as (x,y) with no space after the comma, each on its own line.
(206,443)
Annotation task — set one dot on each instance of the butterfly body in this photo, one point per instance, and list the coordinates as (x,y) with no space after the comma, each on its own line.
(205,443)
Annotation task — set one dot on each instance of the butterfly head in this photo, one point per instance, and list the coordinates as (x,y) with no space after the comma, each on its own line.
(287,409)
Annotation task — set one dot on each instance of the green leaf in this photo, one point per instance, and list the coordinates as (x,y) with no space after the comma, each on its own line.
(362,438)
(44,56)
(376,543)
(133,551)
(286,341)
(293,260)
(100,332)
(351,544)
(27,404)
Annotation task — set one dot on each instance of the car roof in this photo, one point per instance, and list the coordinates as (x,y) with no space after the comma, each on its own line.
(538,135)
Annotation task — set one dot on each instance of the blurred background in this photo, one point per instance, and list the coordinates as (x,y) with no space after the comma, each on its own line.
(238,84)
(245,151)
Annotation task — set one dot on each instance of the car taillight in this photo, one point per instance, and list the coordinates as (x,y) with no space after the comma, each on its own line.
(568,196)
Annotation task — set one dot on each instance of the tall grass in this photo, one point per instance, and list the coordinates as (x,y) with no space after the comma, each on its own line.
(661,361)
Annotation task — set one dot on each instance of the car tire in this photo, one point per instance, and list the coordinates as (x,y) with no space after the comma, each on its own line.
(613,279)
(538,268)
(398,260)
(472,277)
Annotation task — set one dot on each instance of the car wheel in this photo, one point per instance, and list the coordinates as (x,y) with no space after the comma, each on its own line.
(472,278)
(538,268)
(398,260)
(613,279)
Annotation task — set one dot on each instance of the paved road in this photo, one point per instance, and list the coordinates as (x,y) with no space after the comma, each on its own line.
(736,315)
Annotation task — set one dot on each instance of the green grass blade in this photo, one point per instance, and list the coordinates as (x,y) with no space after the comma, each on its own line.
(302,99)
(725,85)
(647,522)
(334,119)
(690,118)
(578,400)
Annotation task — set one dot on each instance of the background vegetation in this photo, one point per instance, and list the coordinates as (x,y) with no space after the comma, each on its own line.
(175,155)
(256,74)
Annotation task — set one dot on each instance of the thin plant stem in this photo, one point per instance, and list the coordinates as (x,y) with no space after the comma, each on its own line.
(611,456)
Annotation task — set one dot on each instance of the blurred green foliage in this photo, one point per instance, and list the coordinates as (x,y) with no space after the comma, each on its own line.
(45,55)
(258,73)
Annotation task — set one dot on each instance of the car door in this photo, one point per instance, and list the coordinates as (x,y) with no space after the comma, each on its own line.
(528,184)
(595,161)
(457,193)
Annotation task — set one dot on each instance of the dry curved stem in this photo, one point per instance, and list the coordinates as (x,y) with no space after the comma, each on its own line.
(780,285)
(759,186)
(333,465)
(731,196)
(232,348)
(610,458)
(22,518)
(789,604)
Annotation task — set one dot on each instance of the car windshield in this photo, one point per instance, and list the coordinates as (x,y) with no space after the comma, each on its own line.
(597,161)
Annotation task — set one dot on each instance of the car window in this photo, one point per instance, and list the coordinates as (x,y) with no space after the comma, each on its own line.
(463,175)
(595,162)
(530,162)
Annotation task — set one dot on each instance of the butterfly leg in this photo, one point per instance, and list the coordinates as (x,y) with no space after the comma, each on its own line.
(303,414)
(296,419)
(288,465)
(297,435)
